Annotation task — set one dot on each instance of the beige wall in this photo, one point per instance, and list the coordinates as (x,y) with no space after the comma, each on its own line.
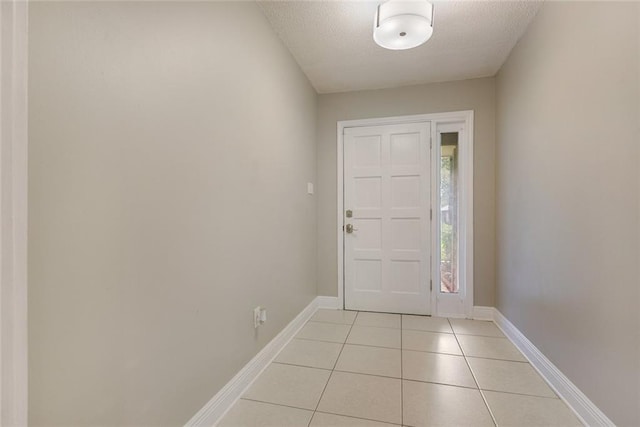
(567,197)
(170,147)
(477,95)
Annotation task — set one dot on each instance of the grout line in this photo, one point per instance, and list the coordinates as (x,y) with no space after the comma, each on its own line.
(437,383)
(424,330)
(330,323)
(497,360)
(359,418)
(521,394)
(484,399)
(343,345)
(470,388)
(420,381)
(378,327)
(332,370)
(481,336)
(276,404)
(313,415)
(390,312)
(330,342)
(401,377)
(410,349)
(374,346)
(301,366)
(434,352)
(363,326)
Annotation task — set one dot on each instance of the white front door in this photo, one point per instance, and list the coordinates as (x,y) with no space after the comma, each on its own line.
(387,194)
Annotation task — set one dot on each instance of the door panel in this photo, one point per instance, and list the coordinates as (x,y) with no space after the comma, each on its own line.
(387,185)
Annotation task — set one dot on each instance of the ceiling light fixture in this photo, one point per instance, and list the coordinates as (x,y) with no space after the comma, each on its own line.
(402,24)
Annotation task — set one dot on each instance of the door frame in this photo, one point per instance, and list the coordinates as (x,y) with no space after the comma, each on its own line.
(465,210)
(13,213)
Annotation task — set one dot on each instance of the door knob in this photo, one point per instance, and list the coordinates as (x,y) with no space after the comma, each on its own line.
(350,229)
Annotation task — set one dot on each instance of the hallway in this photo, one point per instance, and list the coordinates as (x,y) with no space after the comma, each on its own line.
(348,368)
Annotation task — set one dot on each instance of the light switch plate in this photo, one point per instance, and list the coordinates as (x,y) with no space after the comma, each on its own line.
(309,187)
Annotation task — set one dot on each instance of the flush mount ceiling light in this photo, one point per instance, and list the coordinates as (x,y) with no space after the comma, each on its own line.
(403,24)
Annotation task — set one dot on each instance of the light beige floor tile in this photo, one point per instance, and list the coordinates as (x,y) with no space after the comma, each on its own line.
(289,385)
(363,396)
(475,327)
(320,419)
(489,347)
(507,376)
(524,411)
(334,316)
(427,404)
(248,413)
(315,354)
(381,337)
(380,320)
(426,323)
(430,341)
(436,368)
(324,332)
(370,360)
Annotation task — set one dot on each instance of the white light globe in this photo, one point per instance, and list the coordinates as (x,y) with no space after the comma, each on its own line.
(403,24)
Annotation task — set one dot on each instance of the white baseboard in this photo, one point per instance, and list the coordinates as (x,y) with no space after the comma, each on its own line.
(328,302)
(584,408)
(482,313)
(218,406)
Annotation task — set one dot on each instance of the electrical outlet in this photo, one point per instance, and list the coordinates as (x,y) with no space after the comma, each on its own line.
(259,316)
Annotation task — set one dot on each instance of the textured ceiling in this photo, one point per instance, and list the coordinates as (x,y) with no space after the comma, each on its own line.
(333,43)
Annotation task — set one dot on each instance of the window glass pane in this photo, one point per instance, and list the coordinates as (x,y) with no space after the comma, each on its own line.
(449,213)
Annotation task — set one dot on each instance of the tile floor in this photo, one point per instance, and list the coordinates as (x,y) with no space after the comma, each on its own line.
(347,368)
